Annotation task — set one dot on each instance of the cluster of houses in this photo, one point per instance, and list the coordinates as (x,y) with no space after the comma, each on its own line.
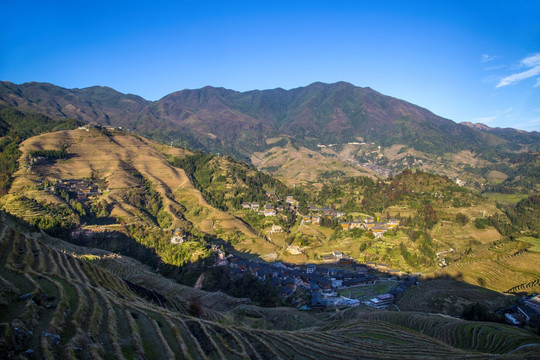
(321,283)
(83,188)
(378,228)
(270,209)
(178,236)
(527,312)
(316,213)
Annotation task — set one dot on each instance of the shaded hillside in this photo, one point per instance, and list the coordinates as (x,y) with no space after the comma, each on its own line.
(63,301)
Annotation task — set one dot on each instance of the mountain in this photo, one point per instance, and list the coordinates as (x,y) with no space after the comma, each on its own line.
(339,125)
(131,218)
(324,113)
(514,136)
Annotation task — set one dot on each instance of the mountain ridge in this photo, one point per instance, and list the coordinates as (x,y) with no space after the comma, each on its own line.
(254,125)
(256,104)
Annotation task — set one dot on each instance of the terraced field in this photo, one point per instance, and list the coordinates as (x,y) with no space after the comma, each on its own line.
(501,266)
(463,334)
(64,301)
(450,297)
(120,160)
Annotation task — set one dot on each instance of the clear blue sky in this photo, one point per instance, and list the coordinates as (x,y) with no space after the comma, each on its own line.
(471,60)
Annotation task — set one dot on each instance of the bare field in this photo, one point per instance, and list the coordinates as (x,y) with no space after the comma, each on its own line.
(296,165)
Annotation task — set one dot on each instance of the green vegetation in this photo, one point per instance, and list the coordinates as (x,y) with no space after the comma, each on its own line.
(49,154)
(247,286)
(535,242)
(506,199)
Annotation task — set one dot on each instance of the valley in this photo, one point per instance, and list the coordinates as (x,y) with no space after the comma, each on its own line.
(286,232)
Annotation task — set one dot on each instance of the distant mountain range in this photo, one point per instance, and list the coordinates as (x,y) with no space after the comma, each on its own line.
(300,134)
(217,119)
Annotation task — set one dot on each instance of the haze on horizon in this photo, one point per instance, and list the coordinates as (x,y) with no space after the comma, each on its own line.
(466,61)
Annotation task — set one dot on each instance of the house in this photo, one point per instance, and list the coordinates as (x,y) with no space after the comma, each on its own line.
(276,228)
(369,226)
(369,220)
(338,254)
(336,283)
(317,301)
(394,272)
(306,218)
(316,220)
(178,236)
(289,199)
(324,283)
(246,205)
(328,293)
(378,231)
(512,319)
(270,193)
(294,250)
(322,271)
(356,281)
(328,258)
(382,301)
(255,206)
(268,206)
(311,268)
(382,267)
(177,240)
(345,261)
(280,208)
(356,225)
(392,223)
(270,212)
(345,226)
(534,303)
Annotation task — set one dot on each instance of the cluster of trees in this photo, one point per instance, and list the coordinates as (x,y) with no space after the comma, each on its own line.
(409,188)
(9,154)
(522,169)
(159,241)
(149,201)
(247,183)
(525,215)
(50,217)
(262,293)
(50,154)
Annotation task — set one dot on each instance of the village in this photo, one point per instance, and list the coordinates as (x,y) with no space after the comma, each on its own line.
(84,189)
(323,287)
(315,214)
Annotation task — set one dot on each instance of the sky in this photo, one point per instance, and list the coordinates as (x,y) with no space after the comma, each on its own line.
(476,61)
